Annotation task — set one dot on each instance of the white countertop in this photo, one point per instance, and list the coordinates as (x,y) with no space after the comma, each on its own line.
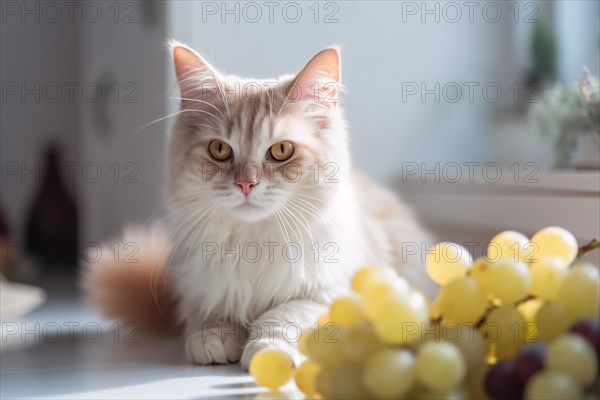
(36,364)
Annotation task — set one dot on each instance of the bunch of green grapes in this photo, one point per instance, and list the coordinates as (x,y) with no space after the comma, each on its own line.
(520,322)
(523,291)
(369,345)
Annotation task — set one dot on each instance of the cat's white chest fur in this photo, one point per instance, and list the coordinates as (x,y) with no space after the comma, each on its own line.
(236,273)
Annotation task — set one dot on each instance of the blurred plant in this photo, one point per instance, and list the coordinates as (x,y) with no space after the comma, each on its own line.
(543,51)
(588,86)
(570,111)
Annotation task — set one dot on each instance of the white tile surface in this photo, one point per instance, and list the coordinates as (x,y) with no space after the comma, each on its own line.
(36,363)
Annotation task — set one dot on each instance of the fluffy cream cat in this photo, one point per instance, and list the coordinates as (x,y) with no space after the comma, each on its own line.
(268,218)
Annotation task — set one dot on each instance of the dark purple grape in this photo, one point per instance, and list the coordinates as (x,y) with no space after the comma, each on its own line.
(589,329)
(501,382)
(529,361)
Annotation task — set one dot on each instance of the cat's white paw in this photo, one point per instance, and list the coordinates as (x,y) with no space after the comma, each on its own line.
(214,346)
(254,347)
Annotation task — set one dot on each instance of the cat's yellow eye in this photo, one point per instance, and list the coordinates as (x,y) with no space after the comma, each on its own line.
(281,151)
(219,150)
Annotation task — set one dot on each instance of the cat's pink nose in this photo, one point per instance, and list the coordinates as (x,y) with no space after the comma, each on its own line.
(246,185)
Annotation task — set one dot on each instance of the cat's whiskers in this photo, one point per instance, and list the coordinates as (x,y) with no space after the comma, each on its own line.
(182,220)
(203,102)
(311,197)
(202,229)
(166,204)
(205,125)
(209,221)
(301,260)
(281,228)
(298,199)
(297,232)
(173,251)
(221,123)
(295,221)
(198,218)
(202,75)
(286,238)
(141,128)
(314,211)
(293,209)
(180,214)
(173,231)
(170,237)
(378,240)
(225,101)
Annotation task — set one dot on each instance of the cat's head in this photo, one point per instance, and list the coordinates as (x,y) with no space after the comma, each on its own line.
(256,147)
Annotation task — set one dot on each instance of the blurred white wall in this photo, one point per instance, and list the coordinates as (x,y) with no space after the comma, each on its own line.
(132,55)
(578,35)
(57,45)
(33,56)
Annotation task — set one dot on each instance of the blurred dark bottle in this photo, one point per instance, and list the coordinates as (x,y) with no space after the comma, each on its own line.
(5,253)
(51,235)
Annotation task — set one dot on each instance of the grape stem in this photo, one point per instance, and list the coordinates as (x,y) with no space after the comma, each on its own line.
(586,248)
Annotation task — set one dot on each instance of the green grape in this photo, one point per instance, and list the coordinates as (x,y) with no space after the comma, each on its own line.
(505,329)
(304,337)
(447,261)
(346,383)
(573,356)
(430,332)
(399,320)
(551,385)
(462,300)
(479,271)
(384,280)
(325,346)
(440,367)
(323,319)
(506,281)
(434,309)
(580,292)
(360,343)
(552,320)
(323,382)
(547,277)
(379,288)
(389,373)
(468,340)
(555,241)
(510,245)
(271,368)
(347,311)
(306,376)
(362,276)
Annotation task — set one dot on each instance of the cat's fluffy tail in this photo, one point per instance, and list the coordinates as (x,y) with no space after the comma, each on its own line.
(127,280)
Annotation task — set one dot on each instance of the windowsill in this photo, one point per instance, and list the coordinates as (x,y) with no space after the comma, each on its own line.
(479,208)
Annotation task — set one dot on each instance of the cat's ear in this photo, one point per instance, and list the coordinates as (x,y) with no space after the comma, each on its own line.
(320,79)
(197,79)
